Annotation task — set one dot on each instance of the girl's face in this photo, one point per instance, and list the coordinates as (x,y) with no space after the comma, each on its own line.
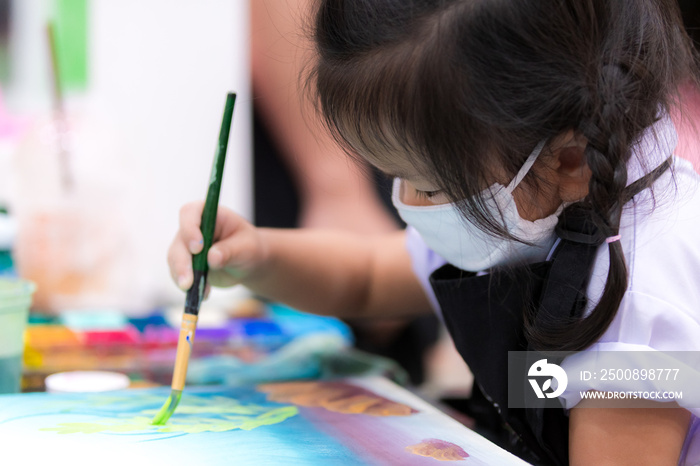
(561,171)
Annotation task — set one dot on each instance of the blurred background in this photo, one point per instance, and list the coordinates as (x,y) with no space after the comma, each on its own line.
(99,151)
(109,117)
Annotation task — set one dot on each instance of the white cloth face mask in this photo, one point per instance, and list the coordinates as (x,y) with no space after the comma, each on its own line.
(467,247)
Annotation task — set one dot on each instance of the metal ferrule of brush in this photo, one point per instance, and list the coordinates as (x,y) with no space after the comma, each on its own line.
(195,294)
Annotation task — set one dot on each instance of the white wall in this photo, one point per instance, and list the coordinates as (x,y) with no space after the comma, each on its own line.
(159,71)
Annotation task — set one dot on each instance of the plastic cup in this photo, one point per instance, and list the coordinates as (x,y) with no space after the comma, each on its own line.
(15,300)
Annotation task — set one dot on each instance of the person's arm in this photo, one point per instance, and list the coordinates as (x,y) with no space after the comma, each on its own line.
(626,436)
(341,274)
(335,192)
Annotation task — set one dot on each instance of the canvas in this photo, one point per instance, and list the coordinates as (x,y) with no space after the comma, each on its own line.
(341,422)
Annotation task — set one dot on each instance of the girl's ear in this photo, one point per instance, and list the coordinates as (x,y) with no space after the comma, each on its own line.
(571,167)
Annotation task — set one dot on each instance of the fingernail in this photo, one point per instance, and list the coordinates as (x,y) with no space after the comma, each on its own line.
(215,258)
(196,246)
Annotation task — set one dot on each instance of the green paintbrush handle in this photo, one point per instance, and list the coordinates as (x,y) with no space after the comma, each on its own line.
(211,205)
(199,262)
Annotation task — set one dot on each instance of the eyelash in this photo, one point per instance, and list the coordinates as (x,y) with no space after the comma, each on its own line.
(427,194)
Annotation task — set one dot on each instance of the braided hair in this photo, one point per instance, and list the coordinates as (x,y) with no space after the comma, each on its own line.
(459,87)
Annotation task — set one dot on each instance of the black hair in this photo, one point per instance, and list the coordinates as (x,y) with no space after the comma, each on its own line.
(690,10)
(462,86)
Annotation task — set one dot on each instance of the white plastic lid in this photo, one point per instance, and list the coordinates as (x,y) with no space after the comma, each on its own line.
(85,382)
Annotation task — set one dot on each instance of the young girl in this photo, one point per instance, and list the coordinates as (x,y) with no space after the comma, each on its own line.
(533,162)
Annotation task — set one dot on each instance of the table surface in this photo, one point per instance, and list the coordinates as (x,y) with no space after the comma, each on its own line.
(346,421)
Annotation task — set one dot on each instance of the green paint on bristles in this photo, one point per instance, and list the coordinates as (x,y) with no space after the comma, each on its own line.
(168,408)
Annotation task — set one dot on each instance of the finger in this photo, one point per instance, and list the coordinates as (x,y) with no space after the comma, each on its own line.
(227,223)
(234,252)
(190,220)
(180,263)
(216,258)
(230,239)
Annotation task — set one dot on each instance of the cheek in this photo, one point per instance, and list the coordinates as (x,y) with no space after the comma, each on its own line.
(534,204)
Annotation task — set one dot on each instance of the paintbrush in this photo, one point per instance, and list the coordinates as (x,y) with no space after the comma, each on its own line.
(200,269)
(60,118)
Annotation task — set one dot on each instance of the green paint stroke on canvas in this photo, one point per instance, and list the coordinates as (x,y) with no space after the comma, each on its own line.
(194,415)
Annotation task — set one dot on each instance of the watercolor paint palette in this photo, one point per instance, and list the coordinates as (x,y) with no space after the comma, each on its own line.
(145,348)
(341,422)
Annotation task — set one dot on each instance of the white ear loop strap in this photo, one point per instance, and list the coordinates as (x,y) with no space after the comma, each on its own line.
(526,166)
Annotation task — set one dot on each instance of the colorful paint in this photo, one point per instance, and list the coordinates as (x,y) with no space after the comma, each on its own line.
(438,449)
(196,414)
(354,421)
(338,397)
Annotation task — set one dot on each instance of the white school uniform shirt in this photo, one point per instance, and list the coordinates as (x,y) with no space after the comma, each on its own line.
(660,237)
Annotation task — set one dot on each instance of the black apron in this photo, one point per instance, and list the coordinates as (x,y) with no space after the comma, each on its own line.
(485,314)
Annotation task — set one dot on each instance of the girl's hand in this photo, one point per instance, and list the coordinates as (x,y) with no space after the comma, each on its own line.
(238,249)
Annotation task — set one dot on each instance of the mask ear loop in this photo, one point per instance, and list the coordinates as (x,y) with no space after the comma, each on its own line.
(395,190)
(526,166)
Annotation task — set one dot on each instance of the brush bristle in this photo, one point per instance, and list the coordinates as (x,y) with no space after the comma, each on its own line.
(168,408)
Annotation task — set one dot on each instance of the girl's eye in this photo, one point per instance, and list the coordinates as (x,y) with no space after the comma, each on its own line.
(427,194)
